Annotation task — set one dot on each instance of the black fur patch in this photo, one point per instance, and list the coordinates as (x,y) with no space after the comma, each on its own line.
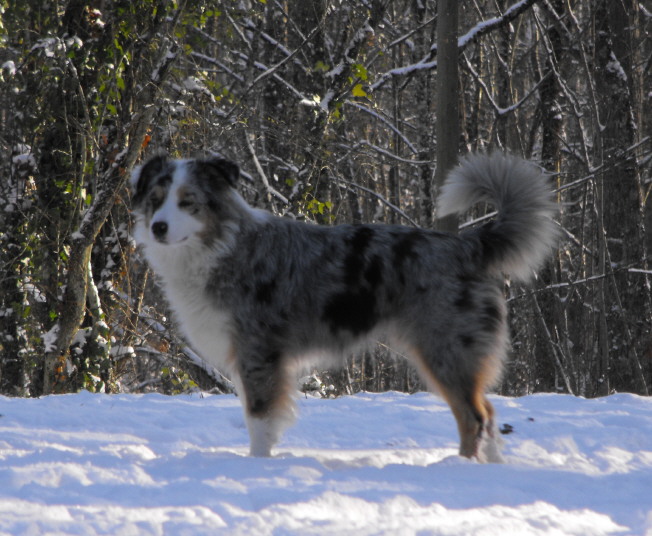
(148,172)
(467,340)
(404,246)
(218,169)
(354,262)
(355,312)
(464,302)
(495,243)
(355,308)
(361,238)
(260,403)
(259,406)
(373,273)
(265,291)
(404,251)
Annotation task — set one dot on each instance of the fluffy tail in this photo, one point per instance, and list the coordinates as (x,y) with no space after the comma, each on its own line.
(523,234)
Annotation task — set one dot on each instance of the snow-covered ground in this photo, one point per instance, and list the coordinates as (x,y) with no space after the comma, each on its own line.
(364,464)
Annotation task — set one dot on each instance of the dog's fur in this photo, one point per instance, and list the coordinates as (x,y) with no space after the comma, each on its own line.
(258,295)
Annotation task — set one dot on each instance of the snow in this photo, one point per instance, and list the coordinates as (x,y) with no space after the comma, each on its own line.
(363,464)
(10,67)
(50,339)
(614,66)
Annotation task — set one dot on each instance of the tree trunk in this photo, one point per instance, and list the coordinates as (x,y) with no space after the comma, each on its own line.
(622,189)
(545,359)
(448,122)
(12,295)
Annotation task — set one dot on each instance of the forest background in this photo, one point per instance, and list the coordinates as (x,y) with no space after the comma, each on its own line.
(334,111)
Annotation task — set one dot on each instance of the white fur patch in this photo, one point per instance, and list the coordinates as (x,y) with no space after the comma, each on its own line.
(265,432)
(491,446)
(181,224)
(184,270)
(262,436)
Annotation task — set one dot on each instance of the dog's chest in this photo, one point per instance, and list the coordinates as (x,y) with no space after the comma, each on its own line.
(206,329)
(204,323)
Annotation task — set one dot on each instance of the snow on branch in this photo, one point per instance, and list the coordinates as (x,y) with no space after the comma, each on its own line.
(351,49)
(267,71)
(219,64)
(639,271)
(487,26)
(425,63)
(480,29)
(340,72)
(292,55)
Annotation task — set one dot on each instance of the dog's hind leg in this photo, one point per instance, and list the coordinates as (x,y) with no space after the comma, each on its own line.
(475,418)
(464,391)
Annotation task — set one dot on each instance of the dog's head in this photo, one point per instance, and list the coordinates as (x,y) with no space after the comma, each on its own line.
(179,200)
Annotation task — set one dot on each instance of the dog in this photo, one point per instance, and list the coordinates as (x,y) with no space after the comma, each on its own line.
(260,296)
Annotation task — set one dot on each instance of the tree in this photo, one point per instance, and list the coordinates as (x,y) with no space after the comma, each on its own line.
(620,190)
(333,111)
(89,124)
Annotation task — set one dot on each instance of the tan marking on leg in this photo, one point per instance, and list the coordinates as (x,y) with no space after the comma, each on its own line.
(472,410)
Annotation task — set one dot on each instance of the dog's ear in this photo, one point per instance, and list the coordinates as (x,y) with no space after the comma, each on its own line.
(142,176)
(224,169)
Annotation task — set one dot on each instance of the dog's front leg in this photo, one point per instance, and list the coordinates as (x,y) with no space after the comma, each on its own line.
(267,403)
(263,435)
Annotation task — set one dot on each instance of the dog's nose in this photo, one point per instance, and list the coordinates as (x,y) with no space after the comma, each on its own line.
(159,229)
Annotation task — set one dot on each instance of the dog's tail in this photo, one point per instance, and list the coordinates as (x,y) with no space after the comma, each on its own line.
(523,233)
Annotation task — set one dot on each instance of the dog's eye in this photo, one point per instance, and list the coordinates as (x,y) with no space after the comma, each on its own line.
(187,203)
(156,199)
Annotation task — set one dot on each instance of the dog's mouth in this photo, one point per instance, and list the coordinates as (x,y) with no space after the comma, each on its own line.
(164,240)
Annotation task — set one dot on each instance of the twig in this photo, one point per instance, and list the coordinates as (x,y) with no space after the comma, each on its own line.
(261,172)
(380,198)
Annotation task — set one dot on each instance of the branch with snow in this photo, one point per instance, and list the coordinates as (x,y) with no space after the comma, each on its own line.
(487,26)
(340,73)
(480,29)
